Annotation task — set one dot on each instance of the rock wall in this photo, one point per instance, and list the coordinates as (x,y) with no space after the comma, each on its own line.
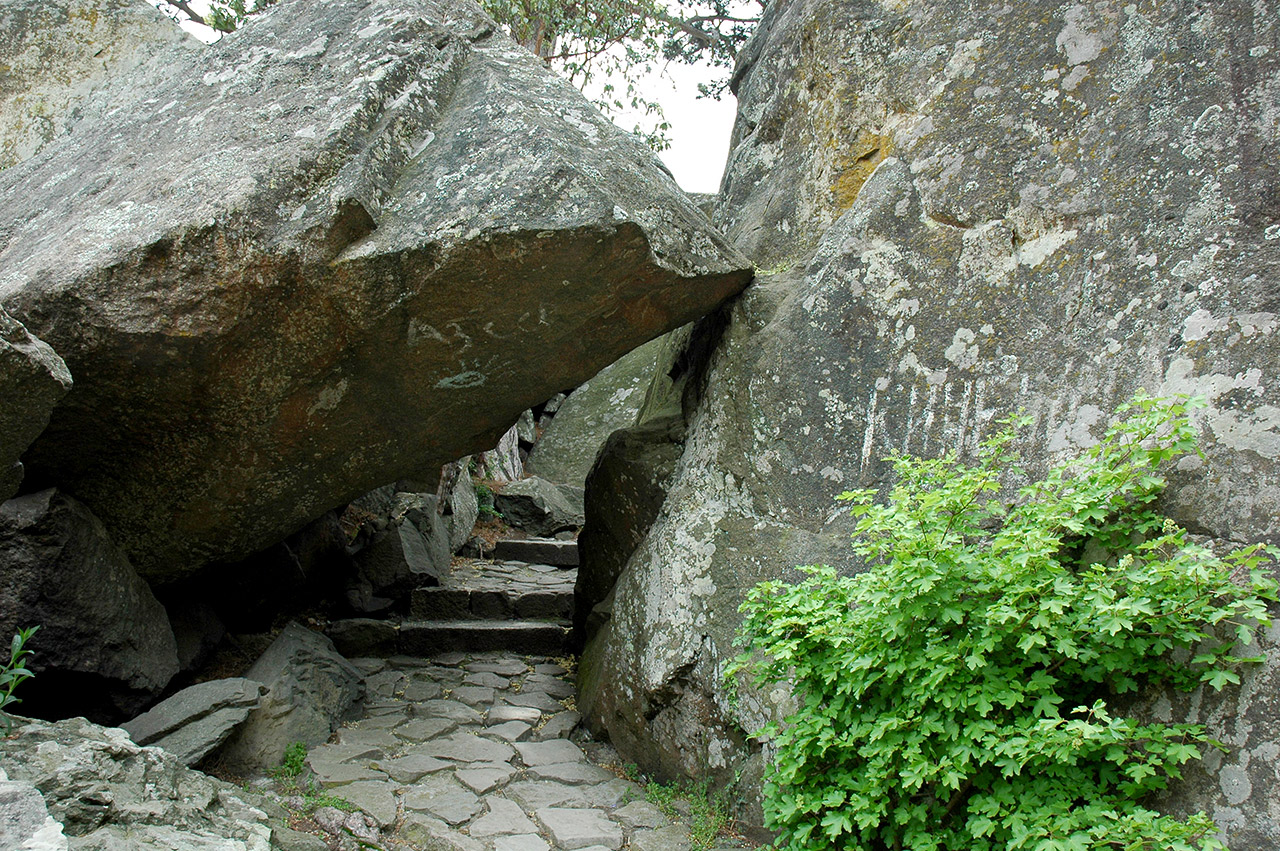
(313,257)
(961,209)
(55,55)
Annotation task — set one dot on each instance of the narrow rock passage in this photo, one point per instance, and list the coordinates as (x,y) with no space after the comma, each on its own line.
(470,750)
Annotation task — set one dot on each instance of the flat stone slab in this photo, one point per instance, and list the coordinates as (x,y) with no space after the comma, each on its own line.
(558,726)
(336,776)
(524,842)
(536,794)
(451,709)
(544,638)
(572,828)
(421,729)
(376,798)
(502,667)
(487,679)
(504,712)
(474,695)
(358,737)
(538,551)
(576,773)
(411,768)
(485,777)
(640,814)
(463,747)
(510,731)
(549,753)
(669,838)
(536,699)
(504,818)
(419,690)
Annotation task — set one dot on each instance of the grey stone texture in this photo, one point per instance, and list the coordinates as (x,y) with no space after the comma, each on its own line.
(270,262)
(56,54)
(312,691)
(960,210)
(105,647)
(573,827)
(32,379)
(109,793)
(196,720)
(25,823)
(610,401)
(540,507)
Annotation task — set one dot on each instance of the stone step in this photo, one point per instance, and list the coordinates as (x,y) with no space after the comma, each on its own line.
(441,603)
(429,637)
(538,551)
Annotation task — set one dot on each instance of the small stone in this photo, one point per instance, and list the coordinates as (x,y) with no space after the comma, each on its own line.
(504,667)
(503,713)
(368,665)
(449,659)
(669,838)
(421,729)
(510,731)
(504,818)
(462,747)
(535,699)
(572,828)
(333,776)
(419,690)
(474,695)
(559,726)
(553,686)
(535,794)
(640,814)
(383,721)
(452,710)
(550,753)
(411,768)
(484,777)
(377,798)
(524,842)
(575,773)
(385,683)
(486,678)
(423,831)
(444,798)
(359,737)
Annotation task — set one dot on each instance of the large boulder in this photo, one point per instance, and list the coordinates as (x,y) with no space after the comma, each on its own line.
(962,210)
(312,691)
(314,257)
(109,793)
(55,55)
(32,379)
(105,647)
(609,401)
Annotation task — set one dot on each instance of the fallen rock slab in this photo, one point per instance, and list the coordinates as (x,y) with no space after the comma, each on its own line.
(193,722)
(315,258)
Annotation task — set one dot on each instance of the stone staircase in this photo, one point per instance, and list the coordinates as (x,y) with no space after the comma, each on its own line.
(521,601)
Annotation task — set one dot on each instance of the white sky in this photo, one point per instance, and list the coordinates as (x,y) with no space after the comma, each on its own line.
(700,127)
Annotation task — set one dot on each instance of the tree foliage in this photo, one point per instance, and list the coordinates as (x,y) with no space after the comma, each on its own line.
(604,47)
(957,694)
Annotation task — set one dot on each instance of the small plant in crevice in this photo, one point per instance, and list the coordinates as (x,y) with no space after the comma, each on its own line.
(293,764)
(13,673)
(957,694)
(696,804)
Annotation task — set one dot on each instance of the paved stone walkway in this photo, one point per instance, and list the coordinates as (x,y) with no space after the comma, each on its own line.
(471,751)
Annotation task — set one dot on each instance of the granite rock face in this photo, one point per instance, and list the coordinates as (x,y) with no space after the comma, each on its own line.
(105,645)
(313,258)
(56,54)
(32,379)
(609,401)
(962,209)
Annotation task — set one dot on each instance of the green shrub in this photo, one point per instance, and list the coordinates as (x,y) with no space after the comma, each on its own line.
(955,695)
(13,673)
(696,803)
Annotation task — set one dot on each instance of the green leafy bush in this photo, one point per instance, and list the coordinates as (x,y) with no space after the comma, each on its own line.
(956,694)
(13,673)
(294,762)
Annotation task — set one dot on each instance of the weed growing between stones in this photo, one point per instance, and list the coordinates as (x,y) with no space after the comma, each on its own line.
(13,673)
(956,693)
(697,804)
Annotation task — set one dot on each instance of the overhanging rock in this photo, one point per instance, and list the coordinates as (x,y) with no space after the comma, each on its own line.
(315,257)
